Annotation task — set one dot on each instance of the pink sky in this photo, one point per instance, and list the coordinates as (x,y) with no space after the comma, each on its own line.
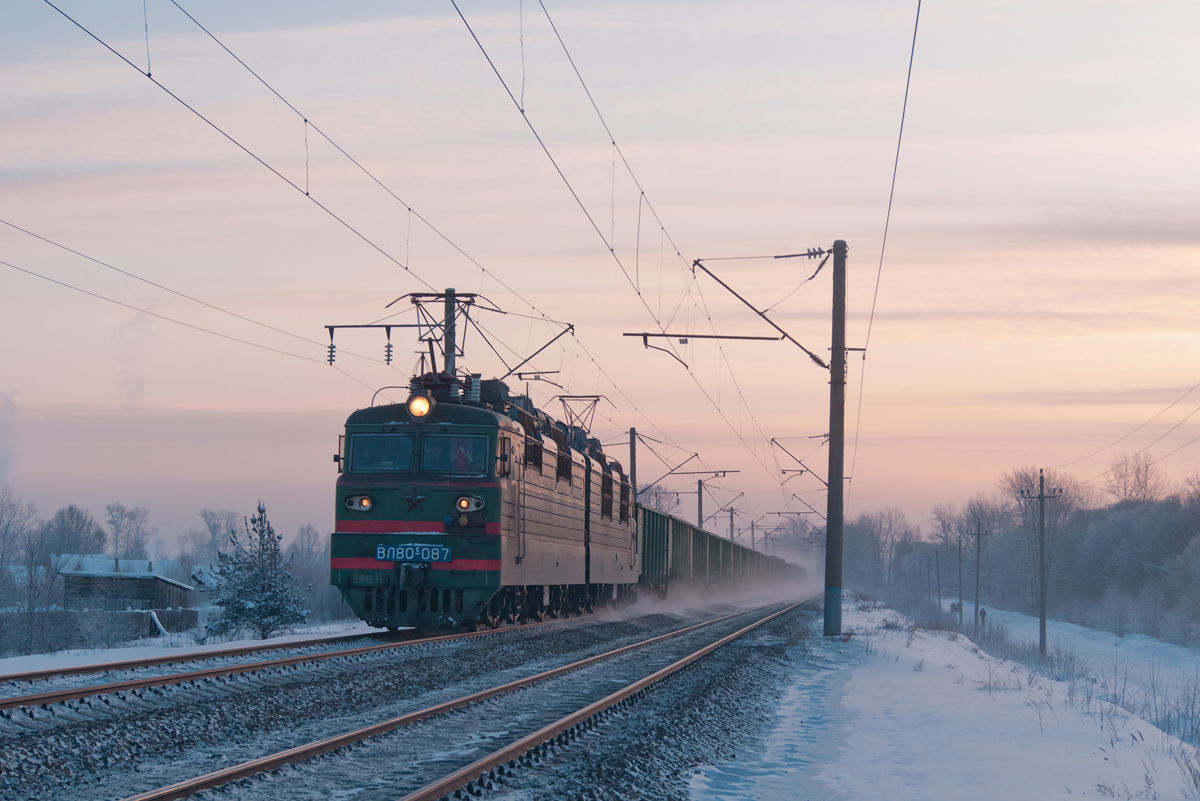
(1037,298)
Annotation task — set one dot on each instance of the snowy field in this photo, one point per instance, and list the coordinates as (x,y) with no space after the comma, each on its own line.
(897,714)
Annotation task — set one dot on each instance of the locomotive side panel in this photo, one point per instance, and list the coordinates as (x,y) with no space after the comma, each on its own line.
(545,543)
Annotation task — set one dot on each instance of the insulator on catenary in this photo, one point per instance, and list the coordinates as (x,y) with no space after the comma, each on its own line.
(332,352)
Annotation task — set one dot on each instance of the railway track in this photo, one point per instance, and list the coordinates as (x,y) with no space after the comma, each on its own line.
(62,696)
(482,771)
(153,661)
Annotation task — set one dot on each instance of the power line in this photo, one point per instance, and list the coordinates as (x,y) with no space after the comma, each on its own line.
(243,148)
(173,291)
(161,316)
(606,240)
(310,124)
(1167,408)
(883,247)
(346,224)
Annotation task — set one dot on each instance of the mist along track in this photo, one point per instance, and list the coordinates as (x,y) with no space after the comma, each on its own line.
(110,747)
(72,690)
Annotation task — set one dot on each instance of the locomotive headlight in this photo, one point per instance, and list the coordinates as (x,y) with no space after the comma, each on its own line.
(419,405)
(359,503)
(468,503)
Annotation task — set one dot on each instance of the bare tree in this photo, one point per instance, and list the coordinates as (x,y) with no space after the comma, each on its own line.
(16,518)
(74,531)
(129,530)
(945,521)
(36,578)
(658,497)
(219,523)
(1136,478)
(885,531)
(309,553)
(1075,497)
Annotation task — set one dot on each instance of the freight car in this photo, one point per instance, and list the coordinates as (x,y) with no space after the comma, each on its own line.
(468,506)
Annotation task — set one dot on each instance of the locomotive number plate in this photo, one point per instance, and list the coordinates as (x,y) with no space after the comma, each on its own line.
(412,552)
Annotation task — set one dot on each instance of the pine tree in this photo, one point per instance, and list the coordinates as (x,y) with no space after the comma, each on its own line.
(255,588)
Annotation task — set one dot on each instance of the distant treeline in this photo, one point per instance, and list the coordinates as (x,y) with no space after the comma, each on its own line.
(1123,552)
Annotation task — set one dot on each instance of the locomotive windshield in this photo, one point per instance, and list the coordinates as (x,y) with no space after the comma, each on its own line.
(380,453)
(455,454)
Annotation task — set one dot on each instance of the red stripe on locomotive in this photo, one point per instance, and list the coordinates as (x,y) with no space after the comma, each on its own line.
(350,563)
(399,527)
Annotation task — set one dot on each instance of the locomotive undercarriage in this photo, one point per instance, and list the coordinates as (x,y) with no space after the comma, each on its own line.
(540,602)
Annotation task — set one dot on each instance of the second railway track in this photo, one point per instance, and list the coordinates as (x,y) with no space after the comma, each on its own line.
(80,691)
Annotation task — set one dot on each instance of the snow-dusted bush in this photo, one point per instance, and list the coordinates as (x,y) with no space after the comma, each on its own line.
(255,588)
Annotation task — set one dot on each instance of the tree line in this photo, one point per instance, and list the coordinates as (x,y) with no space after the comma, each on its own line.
(32,551)
(1123,552)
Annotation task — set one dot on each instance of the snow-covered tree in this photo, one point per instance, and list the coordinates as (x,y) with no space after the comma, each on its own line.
(255,588)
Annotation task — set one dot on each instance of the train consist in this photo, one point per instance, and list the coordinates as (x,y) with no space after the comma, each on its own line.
(468,506)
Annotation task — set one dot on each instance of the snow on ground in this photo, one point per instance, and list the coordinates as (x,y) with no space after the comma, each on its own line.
(898,714)
(1137,655)
(173,645)
(892,713)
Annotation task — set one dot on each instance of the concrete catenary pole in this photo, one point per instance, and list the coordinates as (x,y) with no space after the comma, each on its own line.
(837,447)
(633,466)
(700,503)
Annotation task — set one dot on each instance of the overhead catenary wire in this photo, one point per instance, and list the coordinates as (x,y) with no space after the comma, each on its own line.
(882,250)
(309,124)
(374,178)
(177,293)
(165,318)
(1120,439)
(607,240)
(160,316)
(242,147)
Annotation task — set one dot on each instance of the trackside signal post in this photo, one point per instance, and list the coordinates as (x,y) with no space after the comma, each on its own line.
(837,447)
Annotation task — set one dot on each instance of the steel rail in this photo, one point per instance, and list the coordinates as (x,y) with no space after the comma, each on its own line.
(243,770)
(476,770)
(75,694)
(200,656)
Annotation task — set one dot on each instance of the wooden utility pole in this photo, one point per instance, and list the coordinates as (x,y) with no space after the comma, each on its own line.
(1043,567)
(937,561)
(978,560)
(960,586)
(837,447)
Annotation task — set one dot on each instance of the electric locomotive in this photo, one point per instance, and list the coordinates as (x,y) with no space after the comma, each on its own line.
(465,506)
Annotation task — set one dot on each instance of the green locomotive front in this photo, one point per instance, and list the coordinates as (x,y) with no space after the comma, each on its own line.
(418,512)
